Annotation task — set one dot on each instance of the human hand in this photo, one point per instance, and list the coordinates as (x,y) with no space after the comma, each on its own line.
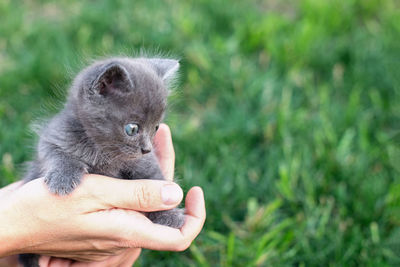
(125,259)
(76,232)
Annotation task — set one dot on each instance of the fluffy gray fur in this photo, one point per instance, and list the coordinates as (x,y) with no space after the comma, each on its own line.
(88,135)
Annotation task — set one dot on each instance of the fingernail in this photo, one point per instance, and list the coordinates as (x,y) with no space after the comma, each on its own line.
(171,194)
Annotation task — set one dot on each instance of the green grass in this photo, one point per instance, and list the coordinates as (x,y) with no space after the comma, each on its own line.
(287,114)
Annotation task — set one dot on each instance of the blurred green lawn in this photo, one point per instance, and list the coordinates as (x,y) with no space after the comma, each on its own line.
(287,114)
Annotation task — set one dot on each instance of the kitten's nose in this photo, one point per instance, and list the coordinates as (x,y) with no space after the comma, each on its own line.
(145,144)
(145,150)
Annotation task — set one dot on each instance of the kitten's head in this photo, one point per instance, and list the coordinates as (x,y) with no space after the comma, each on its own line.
(121,101)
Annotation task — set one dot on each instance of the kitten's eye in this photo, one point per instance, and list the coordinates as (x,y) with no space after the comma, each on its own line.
(157,126)
(131,129)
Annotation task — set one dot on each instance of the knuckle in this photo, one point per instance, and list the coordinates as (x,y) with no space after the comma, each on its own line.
(130,244)
(117,240)
(125,243)
(143,197)
(121,242)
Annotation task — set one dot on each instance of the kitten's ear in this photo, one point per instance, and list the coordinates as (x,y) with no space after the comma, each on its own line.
(165,68)
(114,78)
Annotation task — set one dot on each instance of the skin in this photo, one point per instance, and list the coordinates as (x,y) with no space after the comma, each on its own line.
(69,227)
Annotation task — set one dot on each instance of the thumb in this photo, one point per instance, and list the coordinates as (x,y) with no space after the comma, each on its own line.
(139,195)
(9,188)
(165,151)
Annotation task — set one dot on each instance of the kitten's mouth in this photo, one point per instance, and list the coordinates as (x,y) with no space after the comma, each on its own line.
(133,156)
(130,152)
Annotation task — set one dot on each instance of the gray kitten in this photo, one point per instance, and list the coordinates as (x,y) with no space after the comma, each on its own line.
(111,115)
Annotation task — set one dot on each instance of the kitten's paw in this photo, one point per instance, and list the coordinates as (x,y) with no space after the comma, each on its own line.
(62,182)
(173,218)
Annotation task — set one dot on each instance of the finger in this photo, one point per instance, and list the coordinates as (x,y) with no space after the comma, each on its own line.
(131,256)
(165,151)
(195,211)
(138,231)
(125,259)
(9,188)
(179,240)
(139,195)
(84,255)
